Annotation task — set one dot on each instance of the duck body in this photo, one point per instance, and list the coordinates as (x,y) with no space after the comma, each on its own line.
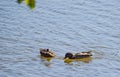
(77,55)
(46,53)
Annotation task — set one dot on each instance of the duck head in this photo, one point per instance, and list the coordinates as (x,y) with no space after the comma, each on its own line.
(69,55)
(46,53)
(44,50)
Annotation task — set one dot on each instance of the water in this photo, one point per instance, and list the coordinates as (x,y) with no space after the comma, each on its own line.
(62,26)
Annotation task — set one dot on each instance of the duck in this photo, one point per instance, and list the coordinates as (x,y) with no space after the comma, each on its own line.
(46,53)
(79,55)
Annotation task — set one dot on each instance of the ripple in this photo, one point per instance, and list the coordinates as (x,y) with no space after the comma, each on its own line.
(61,26)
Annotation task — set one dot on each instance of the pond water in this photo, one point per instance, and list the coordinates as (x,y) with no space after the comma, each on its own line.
(62,26)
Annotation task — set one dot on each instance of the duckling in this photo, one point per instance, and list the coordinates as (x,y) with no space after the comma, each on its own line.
(46,53)
(78,55)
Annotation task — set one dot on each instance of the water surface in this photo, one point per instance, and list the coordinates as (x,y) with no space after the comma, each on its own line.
(62,26)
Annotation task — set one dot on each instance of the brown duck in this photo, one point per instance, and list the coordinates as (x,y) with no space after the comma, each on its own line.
(46,53)
(80,55)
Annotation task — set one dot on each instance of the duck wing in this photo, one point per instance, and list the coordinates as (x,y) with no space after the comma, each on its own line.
(82,55)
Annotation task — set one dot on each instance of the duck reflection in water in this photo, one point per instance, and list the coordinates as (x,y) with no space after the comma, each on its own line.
(82,56)
(46,55)
(46,61)
(45,58)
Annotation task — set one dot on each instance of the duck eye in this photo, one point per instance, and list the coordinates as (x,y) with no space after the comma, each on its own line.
(47,49)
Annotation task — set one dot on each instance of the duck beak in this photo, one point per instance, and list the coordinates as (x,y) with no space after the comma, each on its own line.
(66,57)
